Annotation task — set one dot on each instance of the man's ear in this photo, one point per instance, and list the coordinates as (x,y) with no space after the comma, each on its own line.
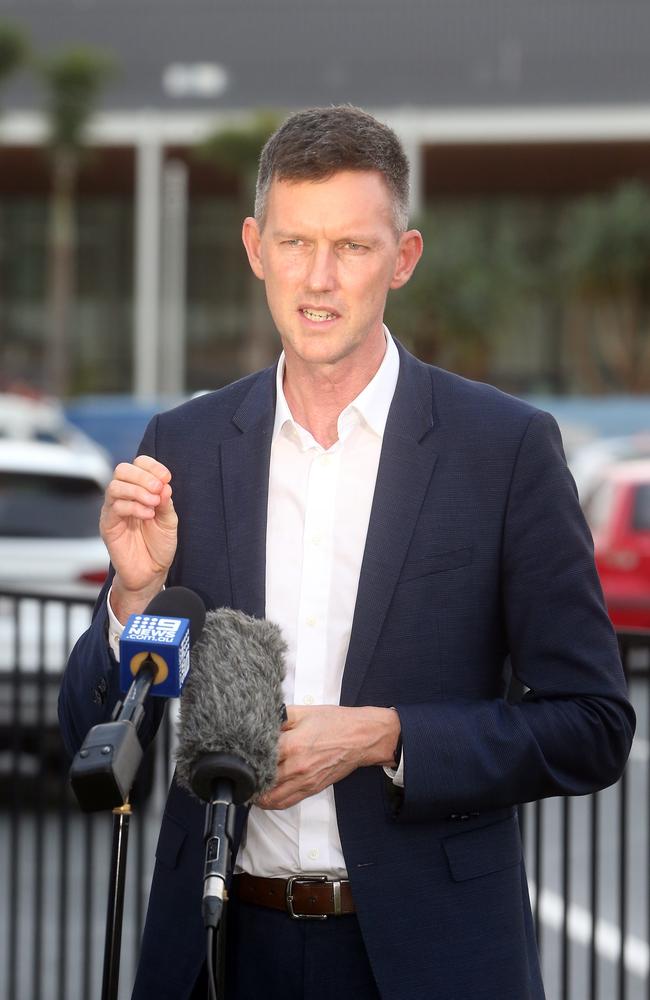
(251,237)
(410,251)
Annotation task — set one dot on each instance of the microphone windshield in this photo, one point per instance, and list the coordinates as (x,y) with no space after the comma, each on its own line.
(232,700)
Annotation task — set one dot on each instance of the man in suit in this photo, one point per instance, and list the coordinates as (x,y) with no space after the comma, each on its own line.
(418,538)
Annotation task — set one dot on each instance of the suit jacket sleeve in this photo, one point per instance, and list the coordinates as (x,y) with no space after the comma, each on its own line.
(572,731)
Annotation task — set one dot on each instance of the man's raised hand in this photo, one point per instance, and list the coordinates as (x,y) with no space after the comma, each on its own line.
(139,526)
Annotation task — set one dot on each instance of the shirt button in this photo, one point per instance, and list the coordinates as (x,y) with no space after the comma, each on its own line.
(313,854)
(311,621)
(308,699)
(316,539)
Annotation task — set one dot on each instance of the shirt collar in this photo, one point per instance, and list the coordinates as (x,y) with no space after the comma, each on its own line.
(371,405)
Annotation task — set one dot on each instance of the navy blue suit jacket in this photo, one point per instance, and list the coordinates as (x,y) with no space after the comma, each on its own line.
(477,564)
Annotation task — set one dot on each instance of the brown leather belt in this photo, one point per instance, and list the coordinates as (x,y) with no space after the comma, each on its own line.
(303,897)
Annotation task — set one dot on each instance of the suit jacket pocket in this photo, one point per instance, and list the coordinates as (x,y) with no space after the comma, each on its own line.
(171,839)
(484,849)
(436,562)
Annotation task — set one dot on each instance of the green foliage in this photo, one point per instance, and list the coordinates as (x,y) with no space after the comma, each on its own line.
(606,242)
(74,80)
(605,261)
(14,49)
(237,149)
(470,281)
(581,271)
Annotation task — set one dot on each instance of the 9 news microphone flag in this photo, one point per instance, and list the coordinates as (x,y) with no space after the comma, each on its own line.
(165,641)
(154,657)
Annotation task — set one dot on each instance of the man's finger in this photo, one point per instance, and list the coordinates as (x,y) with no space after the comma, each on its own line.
(151,465)
(119,489)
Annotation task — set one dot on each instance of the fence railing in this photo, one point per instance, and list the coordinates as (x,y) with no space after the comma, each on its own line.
(55,861)
(588,862)
(588,858)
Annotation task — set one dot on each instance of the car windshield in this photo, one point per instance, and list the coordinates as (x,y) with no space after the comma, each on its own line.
(641,515)
(48,506)
(599,505)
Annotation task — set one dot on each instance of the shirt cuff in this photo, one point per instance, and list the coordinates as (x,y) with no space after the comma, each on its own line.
(115,628)
(396,775)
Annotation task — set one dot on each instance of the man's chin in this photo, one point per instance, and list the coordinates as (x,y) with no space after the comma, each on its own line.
(318,354)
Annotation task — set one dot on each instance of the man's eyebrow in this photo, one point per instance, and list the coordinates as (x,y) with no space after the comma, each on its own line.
(361,238)
(287,234)
(291,234)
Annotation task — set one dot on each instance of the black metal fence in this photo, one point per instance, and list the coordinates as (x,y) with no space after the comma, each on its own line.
(588,861)
(588,858)
(55,861)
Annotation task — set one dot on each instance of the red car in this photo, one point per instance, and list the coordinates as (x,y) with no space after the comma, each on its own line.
(618,512)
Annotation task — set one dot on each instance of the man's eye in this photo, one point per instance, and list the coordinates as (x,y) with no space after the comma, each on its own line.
(351,245)
(293,243)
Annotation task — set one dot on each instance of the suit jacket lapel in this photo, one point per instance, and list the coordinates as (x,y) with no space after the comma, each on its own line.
(245,464)
(405,469)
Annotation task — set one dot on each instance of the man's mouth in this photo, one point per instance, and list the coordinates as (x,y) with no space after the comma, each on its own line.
(318,315)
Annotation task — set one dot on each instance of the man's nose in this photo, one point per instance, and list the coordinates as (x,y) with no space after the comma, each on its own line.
(322,270)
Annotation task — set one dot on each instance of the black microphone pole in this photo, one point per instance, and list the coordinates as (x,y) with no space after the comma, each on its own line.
(115,907)
(130,711)
(105,767)
(222,780)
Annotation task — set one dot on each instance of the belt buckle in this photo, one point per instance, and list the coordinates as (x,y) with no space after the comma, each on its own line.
(305,880)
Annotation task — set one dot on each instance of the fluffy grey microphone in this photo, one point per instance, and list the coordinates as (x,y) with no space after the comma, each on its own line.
(232,701)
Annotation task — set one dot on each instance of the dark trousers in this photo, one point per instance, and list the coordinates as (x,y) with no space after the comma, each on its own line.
(269,956)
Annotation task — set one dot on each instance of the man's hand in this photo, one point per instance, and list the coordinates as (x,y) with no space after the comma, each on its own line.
(139,525)
(321,745)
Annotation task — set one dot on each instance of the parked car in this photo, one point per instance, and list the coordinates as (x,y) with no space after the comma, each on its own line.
(50,499)
(588,461)
(618,512)
(117,423)
(23,418)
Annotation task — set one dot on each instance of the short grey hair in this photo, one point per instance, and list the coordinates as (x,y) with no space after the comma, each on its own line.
(317,143)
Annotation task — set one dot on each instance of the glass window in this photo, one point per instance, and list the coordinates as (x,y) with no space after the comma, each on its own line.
(598,506)
(44,506)
(641,512)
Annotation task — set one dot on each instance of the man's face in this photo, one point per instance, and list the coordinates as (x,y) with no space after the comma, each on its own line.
(328,254)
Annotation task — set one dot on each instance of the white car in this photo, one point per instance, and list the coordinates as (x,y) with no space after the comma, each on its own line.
(23,418)
(588,463)
(50,499)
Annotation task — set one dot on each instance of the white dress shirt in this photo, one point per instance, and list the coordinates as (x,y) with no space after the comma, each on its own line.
(319,505)
(318,513)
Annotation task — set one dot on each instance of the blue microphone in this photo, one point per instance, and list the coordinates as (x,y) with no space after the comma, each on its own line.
(154,656)
(161,642)
(155,649)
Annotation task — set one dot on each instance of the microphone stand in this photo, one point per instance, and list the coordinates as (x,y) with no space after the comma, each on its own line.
(115,908)
(222,780)
(102,776)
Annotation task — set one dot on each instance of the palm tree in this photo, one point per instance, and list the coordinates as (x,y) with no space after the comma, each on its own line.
(13,50)
(236,150)
(73,80)
(468,285)
(605,255)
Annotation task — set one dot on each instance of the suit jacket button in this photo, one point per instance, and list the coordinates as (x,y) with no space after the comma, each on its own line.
(99,692)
